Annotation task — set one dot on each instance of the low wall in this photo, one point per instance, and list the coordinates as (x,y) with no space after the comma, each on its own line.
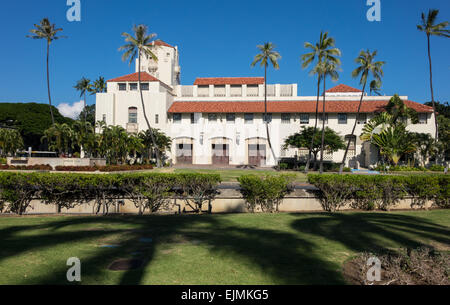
(228,201)
(53,162)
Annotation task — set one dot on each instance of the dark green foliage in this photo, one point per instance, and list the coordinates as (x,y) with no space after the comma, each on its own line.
(31,119)
(150,191)
(380,191)
(266,192)
(89,112)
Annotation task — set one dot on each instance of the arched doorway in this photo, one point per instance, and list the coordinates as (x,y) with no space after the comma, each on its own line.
(184,151)
(257,151)
(220,151)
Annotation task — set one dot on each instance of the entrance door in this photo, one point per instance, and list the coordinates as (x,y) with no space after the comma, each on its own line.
(220,154)
(184,153)
(257,154)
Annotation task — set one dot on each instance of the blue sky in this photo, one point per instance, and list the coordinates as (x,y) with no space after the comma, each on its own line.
(219,38)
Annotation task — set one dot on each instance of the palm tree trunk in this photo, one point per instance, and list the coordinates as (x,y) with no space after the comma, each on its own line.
(158,159)
(48,85)
(341,168)
(432,94)
(308,162)
(323,128)
(265,113)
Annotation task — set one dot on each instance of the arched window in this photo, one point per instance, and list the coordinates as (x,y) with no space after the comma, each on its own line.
(132,115)
(352,142)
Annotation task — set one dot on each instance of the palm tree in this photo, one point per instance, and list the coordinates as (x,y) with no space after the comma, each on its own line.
(46,30)
(375,88)
(429,26)
(367,66)
(322,50)
(99,86)
(83,132)
(136,46)
(394,142)
(59,137)
(326,69)
(267,54)
(83,85)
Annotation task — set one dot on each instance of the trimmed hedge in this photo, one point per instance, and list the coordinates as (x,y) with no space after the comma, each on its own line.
(380,191)
(148,191)
(266,192)
(108,168)
(27,167)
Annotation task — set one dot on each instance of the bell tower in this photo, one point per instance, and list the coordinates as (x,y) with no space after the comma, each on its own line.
(167,67)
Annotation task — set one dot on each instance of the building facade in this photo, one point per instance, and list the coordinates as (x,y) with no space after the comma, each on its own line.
(220,121)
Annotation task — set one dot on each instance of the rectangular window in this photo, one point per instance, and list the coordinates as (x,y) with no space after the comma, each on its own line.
(231,117)
(203,91)
(133,87)
(145,87)
(122,87)
(267,117)
(321,118)
(219,91)
(304,118)
(177,118)
(193,121)
(132,117)
(236,90)
(104,118)
(156,118)
(252,90)
(285,118)
(248,118)
(212,117)
(423,118)
(362,118)
(342,118)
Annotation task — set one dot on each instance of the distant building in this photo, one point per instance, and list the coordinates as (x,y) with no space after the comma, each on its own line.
(220,120)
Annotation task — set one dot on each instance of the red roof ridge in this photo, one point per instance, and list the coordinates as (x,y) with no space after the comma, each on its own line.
(341,88)
(159,42)
(133,77)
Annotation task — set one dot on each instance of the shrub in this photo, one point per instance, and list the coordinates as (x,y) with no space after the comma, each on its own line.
(335,191)
(61,168)
(17,190)
(267,192)
(442,199)
(436,168)
(123,168)
(422,188)
(197,189)
(27,167)
(2,161)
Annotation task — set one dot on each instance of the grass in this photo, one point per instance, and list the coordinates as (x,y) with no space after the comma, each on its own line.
(211,249)
(231,175)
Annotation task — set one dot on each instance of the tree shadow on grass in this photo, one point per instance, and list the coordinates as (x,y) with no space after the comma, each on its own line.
(285,257)
(362,232)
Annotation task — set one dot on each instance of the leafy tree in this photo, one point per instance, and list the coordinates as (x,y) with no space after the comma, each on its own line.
(429,25)
(367,66)
(82,135)
(88,114)
(441,108)
(140,44)
(425,145)
(332,141)
(324,50)
(163,142)
(400,112)
(267,54)
(46,30)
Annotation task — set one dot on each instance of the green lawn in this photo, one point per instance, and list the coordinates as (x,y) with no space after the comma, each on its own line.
(210,249)
(231,175)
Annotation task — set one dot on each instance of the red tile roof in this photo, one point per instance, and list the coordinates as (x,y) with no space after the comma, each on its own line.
(145,77)
(229,81)
(287,107)
(342,89)
(162,43)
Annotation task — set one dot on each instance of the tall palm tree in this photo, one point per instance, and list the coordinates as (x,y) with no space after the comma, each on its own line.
(375,88)
(367,66)
(326,69)
(59,138)
(46,30)
(140,44)
(430,26)
(83,86)
(99,86)
(267,54)
(323,50)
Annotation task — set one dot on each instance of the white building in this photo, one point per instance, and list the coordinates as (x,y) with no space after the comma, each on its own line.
(220,120)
